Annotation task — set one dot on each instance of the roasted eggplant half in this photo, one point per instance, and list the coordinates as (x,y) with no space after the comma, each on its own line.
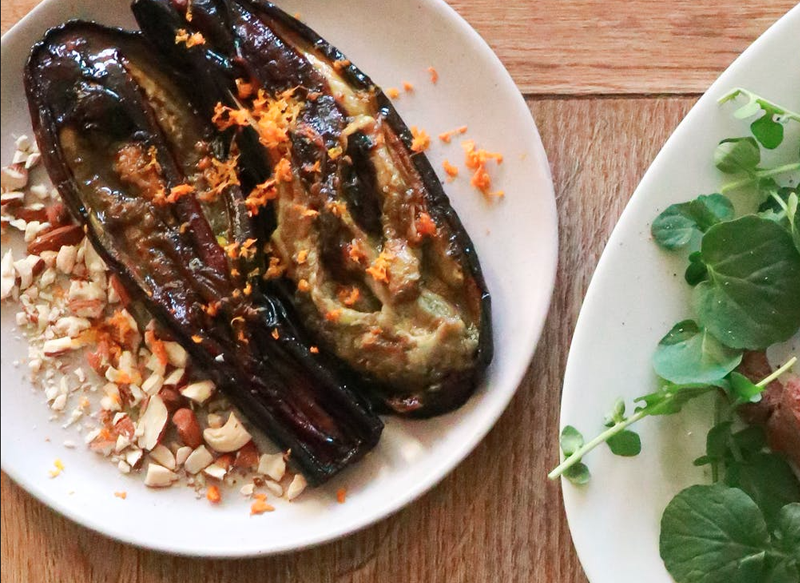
(371,255)
(156,188)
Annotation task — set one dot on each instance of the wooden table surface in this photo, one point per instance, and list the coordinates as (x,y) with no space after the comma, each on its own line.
(607,82)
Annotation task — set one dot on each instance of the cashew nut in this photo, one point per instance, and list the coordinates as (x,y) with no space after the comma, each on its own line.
(227,438)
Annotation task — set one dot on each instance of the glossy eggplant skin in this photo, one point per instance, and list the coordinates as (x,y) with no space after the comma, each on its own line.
(116,133)
(411,374)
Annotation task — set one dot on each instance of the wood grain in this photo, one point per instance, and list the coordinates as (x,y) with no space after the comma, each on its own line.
(578,47)
(496,517)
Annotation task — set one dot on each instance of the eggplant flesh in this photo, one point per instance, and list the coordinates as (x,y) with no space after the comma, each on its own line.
(117,135)
(378,264)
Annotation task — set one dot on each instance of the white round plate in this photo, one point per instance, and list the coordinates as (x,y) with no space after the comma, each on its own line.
(516,239)
(637,294)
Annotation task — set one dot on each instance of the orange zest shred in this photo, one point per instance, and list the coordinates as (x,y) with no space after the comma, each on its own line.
(190,40)
(333,315)
(355,253)
(343,64)
(260,505)
(421,140)
(349,297)
(393,92)
(283,170)
(273,117)
(212,309)
(302,256)
(156,347)
(197,339)
(275,268)
(303,286)
(314,350)
(232,250)
(213,494)
(335,152)
(407,86)
(188,16)
(248,289)
(226,117)
(260,195)
(425,224)
(341,495)
(447,136)
(275,333)
(122,495)
(450,170)
(379,270)
(244,89)
(434,75)
(248,249)
(476,160)
(219,175)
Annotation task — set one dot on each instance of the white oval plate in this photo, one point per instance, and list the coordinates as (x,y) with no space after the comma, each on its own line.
(637,294)
(516,239)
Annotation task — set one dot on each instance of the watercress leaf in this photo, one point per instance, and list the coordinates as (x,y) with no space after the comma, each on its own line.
(707,532)
(696,270)
(751,439)
(671,398)
(625,443)
(781,570)
(578,474)
(744,390)
(769,481)
(678,223)
(737,155)
(767,131)
(617,414)
(750,297)
(789,529)
(718,440)
(770,189)
(792,215)
(571,440)
(703,460)
(749,109)
(690,354)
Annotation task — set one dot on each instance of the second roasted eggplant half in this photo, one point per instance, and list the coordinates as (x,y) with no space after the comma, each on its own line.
(378,265)
(158,193)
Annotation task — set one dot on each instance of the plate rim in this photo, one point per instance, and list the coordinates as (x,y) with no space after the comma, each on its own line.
(549,266)
(569,494)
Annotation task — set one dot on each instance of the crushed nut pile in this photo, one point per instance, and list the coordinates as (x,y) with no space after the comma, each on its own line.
(131,391)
